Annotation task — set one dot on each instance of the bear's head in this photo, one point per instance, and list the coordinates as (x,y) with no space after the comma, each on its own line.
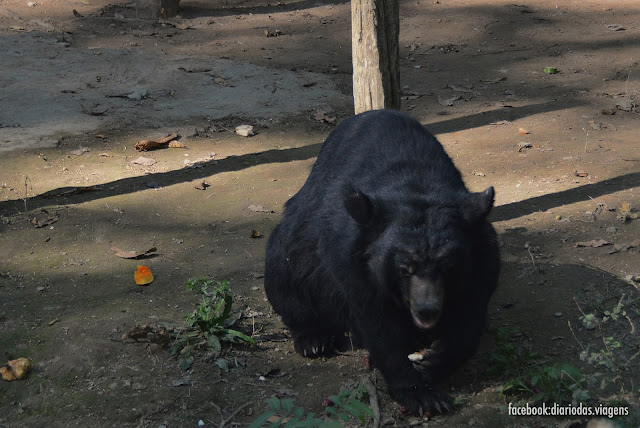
(418,251)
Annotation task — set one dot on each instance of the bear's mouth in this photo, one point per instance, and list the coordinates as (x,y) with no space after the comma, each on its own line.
(426,297)
(425,324)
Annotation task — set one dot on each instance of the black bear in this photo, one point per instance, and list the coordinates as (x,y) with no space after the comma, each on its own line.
(385,243)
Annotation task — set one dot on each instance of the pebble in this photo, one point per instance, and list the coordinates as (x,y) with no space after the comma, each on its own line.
(558,314)
(244,130)
(625,105)
(612,229)
(32,4)
(138,94)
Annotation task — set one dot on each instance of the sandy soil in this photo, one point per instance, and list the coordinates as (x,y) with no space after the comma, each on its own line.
(79,90)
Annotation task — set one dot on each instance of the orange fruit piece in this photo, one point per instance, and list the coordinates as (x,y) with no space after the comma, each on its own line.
(16,369)
(143,275)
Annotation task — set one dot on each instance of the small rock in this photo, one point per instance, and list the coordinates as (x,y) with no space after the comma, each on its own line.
(558,314)
(600,423)
(611,229)
(81,150)
(138,94)
(32,4)
(244,130)
(625,105)
(40,288)
(448,102)
(200,423)
(144,161)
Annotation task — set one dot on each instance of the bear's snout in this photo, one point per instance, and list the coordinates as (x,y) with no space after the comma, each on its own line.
(425,300)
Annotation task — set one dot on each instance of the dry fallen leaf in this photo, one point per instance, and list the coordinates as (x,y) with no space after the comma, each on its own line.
(524,145)
(523,131)
(152,333)
(176,145)
(49,220)
(133,254)
(143,275)
(255,234)
(624,247)
(496,80)
(594,243)
(581,173)
(144,145)
(16,369)
(94,111)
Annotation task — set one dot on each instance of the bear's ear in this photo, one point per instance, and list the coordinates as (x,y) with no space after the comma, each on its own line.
(479,205)
(359,207)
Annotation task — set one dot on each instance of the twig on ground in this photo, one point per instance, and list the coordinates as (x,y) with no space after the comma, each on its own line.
(373,400)
(235,412)
(572,332)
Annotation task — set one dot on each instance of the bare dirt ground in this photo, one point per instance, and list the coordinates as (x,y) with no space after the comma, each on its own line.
(79,90)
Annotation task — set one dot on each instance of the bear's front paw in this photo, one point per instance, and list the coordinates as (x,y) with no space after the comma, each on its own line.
(423,400)
(313,346)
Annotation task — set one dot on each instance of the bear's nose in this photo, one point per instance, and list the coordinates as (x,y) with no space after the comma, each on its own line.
(428,311)
(426,314)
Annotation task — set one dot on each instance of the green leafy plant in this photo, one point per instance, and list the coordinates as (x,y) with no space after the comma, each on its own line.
(557,383)
(349,402)
(209,324)
(340,408)
(530,379)
(509,359)
(603,357)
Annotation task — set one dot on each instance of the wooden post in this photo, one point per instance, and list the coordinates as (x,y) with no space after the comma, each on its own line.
(375,27)
(154,9)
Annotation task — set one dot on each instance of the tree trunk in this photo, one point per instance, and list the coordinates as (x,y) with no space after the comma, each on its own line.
(375,27)
(154,9)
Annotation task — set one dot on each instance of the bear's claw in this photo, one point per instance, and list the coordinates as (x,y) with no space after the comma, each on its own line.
(423,400)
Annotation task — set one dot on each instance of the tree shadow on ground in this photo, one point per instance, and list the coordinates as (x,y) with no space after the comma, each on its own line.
(77,195)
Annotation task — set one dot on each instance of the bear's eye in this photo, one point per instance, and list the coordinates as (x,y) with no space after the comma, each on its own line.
(407,269)
(446,261)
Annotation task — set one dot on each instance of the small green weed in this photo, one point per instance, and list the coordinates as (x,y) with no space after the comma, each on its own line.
(344,406)
(528,378)
(208,325)
(509,359)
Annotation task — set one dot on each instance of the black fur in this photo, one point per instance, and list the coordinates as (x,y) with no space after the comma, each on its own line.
(385,242)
